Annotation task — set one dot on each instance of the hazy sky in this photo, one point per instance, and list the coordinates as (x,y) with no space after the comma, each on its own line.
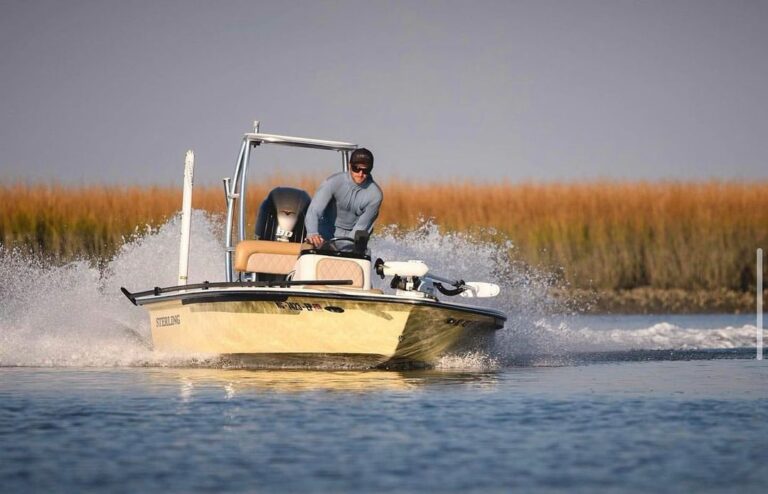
(116,91)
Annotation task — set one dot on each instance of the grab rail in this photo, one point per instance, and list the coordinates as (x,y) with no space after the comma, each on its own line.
(233,284)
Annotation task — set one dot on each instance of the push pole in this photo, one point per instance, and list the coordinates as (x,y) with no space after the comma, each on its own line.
(759,304)
(186,217)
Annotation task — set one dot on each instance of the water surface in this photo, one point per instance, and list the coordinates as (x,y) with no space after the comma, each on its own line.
(696,425)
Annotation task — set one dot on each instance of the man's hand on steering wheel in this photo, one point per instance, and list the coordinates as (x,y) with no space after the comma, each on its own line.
(316,240)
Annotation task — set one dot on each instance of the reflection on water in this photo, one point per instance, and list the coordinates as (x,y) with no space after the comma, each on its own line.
(235,382)
(629,426)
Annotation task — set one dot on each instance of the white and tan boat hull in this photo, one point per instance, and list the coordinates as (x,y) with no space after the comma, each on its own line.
(278,326)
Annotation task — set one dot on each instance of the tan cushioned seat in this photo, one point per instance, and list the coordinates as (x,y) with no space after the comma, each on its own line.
(340,269)
(266,256)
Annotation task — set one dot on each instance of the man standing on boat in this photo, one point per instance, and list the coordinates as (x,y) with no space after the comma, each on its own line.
(345,202)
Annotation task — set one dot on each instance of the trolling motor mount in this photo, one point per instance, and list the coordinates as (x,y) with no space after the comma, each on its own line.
(458,289)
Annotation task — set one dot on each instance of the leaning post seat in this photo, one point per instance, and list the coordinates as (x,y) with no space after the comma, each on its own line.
(267,256)
(311,266)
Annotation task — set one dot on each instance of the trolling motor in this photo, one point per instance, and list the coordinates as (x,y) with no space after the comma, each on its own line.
(412,278)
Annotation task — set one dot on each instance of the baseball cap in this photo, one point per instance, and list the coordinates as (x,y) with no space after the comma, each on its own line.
(362,157)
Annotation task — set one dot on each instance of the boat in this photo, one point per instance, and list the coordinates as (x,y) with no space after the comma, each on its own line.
(285,303)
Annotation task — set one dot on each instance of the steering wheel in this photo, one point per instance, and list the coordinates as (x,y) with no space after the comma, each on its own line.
(330,244)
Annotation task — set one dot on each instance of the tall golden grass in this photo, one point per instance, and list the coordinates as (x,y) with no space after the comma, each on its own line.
(613,235)
(605,235)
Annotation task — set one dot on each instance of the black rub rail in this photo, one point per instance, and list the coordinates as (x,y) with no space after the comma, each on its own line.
(234,284)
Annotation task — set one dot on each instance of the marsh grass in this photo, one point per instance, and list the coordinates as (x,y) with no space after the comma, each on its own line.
(612,235)
(600,235)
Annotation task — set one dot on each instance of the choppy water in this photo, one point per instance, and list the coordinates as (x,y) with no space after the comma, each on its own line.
(659,426)
(563,403)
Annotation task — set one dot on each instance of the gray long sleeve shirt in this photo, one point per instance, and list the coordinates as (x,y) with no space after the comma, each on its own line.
(340,206)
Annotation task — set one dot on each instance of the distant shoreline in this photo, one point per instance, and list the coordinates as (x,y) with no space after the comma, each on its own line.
(657,301)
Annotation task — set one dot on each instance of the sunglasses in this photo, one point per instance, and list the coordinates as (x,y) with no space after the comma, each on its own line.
(361,169)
